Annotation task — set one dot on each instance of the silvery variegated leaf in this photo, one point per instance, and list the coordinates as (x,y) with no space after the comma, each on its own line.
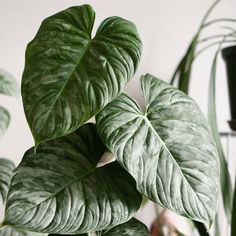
(4,120)
(8,85)
(6,168)
(131,228)
(12,231)
(61,190)
(69,75)
(168,149)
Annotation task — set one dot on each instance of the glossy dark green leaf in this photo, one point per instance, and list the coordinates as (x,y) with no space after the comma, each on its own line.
(131,228)
(12,231)
(6,168)
(4,120)
(8,85)
(225,181)
(168,149)
(61,190)
(69,76)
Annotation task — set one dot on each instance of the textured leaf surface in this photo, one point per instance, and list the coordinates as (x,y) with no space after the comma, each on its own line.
(68,234)
(69,76)
(168,149)
(182,76)
(4,120)
(8,85)
(6,168)
(131,228)
(11,231)
(60,190)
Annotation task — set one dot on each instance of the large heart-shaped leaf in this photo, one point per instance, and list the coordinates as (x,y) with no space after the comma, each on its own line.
(69,76)
(168,149)
(4,120)
(6,168)
(131,228)
(12,231)
(60,189)
(8,85)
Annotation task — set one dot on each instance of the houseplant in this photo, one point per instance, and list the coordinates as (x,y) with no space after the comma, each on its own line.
(8,87)
(182,77)
(166,152)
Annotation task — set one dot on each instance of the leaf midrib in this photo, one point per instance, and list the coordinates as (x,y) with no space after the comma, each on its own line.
(77,64)
(170,154)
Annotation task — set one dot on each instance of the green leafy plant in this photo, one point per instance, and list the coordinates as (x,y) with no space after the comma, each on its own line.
(182,76)
(8,87)
(63,185)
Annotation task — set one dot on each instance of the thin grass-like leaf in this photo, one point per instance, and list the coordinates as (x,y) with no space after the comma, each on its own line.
(225,181)
(183,71)
(230,29)
(233,226)
(219,20)
(221,36)
(213,44)
(182,74)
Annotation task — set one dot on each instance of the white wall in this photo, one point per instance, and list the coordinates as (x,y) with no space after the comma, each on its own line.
(165,26)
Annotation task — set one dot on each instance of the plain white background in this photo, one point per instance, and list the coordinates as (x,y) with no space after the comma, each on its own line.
(165,26)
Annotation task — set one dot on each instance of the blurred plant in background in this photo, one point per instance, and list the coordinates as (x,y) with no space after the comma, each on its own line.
(182,78)
(8,87)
